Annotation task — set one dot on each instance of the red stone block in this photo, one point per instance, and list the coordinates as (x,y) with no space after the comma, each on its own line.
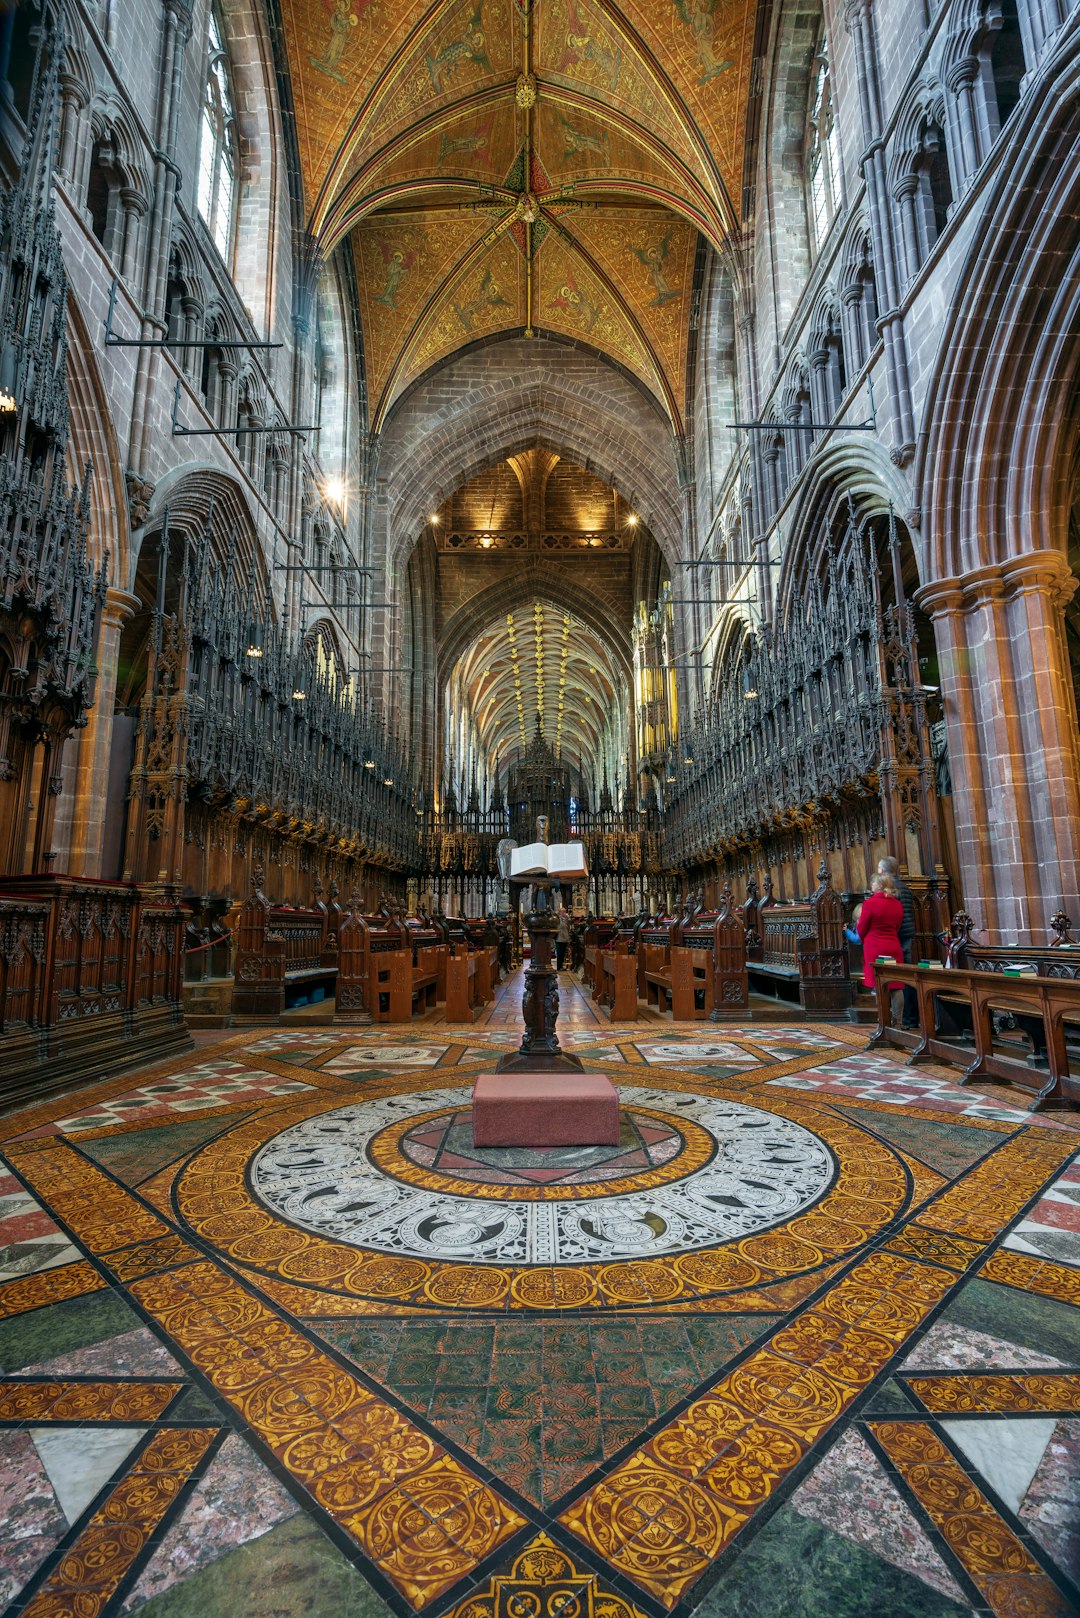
(545,1109)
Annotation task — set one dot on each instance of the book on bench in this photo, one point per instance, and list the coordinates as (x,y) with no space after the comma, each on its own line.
(561,862)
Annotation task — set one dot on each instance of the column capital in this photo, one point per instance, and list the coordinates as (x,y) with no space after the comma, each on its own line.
(120,605)
(1043,572)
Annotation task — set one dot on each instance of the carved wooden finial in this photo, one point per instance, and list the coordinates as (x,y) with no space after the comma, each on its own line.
(962,927)
(1060,923)
(824,875)
(258,877)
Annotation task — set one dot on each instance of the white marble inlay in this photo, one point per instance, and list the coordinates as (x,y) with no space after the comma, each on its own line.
(318,1174)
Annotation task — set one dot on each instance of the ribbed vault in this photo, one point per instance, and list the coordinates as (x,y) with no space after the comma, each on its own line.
(506,166)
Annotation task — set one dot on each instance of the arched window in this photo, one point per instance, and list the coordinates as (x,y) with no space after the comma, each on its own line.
(217,146)
(821,150)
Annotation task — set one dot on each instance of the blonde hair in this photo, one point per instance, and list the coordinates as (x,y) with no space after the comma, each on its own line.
(883,883)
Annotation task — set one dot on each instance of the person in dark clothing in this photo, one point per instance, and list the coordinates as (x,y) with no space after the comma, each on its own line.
(888,866)
(562,938)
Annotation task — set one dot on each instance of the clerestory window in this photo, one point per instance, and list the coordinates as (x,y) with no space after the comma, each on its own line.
(821,150)
(217,146)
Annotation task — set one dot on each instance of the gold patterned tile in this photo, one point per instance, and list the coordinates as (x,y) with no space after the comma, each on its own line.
(73,1402)
(999,1564)
(85,1580)
(1040,1391)
(728,1451)
(420,1514)
(545,1580)
(1029,1274)
(28,1292)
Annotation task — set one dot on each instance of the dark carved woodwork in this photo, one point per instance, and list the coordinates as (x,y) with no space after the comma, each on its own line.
(50,594)
(91,976)
(817,741)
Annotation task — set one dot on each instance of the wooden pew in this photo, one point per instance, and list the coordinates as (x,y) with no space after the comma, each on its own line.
(283,954)
(800,950)
(618,969)
(375,971)
(462,987)
(708,965)
(654,943)
(1054,1002)
(599,931)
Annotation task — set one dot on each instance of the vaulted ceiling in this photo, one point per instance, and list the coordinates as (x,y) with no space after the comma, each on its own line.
(540,663)
(505,166)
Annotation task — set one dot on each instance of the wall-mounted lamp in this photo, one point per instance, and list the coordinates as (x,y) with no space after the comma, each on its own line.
(254,641)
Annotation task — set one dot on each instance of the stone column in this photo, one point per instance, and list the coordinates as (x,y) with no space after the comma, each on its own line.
(95,744)
(1013,744)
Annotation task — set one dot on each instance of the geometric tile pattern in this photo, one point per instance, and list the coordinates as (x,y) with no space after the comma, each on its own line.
(292,1424)
(876,1078)
(664,1515)
(994,1556)
(418,1513)
(92,1568)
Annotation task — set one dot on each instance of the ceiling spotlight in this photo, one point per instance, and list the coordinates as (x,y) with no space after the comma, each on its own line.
(334,491)
(435,518)
(632,519)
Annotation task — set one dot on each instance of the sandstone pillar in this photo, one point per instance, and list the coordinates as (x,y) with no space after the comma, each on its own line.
(95,744)
(1013,744)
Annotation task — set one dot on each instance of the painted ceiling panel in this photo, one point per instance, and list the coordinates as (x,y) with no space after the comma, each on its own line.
(706,47)
(477,144)
(401,262)
(572,299)
(469,47)
(489,296)
(500,125)
(648,256)
(583,46)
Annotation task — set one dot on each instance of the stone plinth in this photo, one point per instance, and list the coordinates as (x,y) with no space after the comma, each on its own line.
(545,1109)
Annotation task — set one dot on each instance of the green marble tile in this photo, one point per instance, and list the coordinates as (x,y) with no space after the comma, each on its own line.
(1019,1317)
(891,1400)
(948,1148)
(45,1334)
(134,1158)
(293,1571)
(195,1406)
(796,1569)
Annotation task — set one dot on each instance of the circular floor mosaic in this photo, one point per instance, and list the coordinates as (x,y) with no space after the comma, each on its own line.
(353,1175)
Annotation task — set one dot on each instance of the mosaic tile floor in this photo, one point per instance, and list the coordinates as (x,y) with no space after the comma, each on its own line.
(275,1339)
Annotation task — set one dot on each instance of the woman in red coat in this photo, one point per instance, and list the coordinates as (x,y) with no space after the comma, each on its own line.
(879,927)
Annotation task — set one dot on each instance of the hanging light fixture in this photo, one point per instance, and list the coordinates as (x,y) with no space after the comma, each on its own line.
(254,641)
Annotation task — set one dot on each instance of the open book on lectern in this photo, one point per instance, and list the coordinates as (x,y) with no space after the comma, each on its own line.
(561,862)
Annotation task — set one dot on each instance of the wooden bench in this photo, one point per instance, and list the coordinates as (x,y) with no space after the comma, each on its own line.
(618,970)
(654,941)
(462,986)
(598,933)
(284,955)
(708,965)
(799,950)
(1053,1002)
